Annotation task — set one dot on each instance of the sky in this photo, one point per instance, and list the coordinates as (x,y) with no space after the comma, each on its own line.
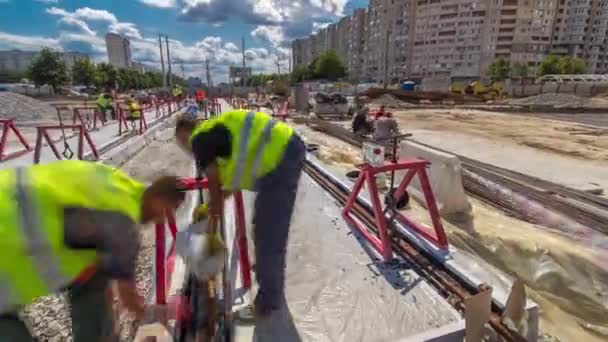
(197,29)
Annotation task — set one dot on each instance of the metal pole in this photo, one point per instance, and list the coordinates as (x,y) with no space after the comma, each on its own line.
(170,76)
(243,74)
(386,60)
(162,61)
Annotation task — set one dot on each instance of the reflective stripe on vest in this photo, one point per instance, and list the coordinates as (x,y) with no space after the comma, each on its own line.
(38,247)
(241,155)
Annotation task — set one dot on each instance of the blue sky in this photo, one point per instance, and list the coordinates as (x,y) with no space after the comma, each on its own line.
(198,29)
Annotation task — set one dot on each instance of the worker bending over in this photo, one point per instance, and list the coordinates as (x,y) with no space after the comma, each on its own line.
(242,150)
(104,104)
(385,126)
(71,225)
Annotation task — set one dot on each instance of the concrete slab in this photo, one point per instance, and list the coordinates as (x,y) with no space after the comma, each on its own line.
(338,289)
(471,268)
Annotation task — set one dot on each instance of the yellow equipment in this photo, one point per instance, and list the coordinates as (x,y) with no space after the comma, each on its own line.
(493,91)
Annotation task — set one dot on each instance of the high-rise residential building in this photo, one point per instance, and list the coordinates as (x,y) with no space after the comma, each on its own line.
(119,50)
(458,39)
(580,29)
(17,60)
(301,52)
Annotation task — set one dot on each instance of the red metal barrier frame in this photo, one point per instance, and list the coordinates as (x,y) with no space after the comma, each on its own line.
(381,242)
(122,120)
(8,125)
(282,112)
(42,132)
(165,267)
(90,125)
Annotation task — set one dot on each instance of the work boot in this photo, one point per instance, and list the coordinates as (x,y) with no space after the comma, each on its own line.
(263,307)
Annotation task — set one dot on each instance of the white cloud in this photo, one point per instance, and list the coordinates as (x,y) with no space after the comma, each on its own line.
(98,44)
(231,47)
(159,3)
(271,34)
(126,29)
(13,41)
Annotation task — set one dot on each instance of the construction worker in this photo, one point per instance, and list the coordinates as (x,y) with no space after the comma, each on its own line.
(70,225)
(242,150)
(134,111)
(200,99)
(104,103)
(385,126)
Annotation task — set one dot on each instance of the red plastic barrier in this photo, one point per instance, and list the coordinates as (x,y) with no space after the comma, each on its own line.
(281,113)
(42,133)
(8,125)
(90,124)
(165,267)
(122,121)
(368,177)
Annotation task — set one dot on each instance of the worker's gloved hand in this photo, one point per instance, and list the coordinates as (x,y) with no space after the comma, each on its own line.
(200,213)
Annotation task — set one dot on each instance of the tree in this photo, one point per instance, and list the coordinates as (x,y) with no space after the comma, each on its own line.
(330,66)
(521,70)
(105,76)
(84,72)
(300,73)
(548,66)
(499,70)
(48,68)
(571,65)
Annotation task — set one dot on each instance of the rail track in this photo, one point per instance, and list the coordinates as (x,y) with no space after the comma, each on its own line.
(452,287)
(583,207)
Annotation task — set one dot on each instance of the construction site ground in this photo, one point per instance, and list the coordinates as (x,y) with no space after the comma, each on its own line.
(568,153)
(560,275)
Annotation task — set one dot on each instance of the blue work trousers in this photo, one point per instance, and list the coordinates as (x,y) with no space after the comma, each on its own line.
(273,208)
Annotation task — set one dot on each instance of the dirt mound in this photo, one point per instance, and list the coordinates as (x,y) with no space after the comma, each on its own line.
(561,101)
(24,108)
(390,101)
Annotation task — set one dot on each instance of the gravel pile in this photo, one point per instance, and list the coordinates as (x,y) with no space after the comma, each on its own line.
(560,101)
(390,101)
(49,317)
(24,108)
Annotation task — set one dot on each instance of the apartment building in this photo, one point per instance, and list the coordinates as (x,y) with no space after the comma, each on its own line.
(119,50)
(581,29)
(17,60)
(459,39)
(301,52)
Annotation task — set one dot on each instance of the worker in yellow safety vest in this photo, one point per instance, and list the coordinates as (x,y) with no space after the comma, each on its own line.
(71,225)
(134,109)
(242,150)
(104,103)
(177,91)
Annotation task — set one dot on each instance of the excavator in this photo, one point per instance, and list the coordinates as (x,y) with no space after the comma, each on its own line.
(487,92)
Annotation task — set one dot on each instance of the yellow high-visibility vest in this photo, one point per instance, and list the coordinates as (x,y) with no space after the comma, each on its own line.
(35,261)
(258,145)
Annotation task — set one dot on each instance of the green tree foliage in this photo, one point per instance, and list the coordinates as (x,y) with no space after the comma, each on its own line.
(299,74)
(571,65)
(10,76)
(521,70)
(555,65)
(330,66)
(548,66)
(106,76)
(499,70)
(84,72)
(48,68)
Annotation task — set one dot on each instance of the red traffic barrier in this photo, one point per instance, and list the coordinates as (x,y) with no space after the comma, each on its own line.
(281,112)
(8,125)
(164,266)
(368,177)
(83,135)
(82,115)
(123,121)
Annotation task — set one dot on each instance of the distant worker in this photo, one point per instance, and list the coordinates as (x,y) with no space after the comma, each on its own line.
(200,99)
(385,127)
(104,103)
(134,111)
(71,225)
(242,150)
(361,124)
(379,113)
(178,92)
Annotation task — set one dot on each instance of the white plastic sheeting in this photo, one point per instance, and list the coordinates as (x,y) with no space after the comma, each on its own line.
(338,290)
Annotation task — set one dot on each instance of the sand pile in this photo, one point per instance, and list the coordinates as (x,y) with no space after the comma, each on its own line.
(390,101)
(24,108)
(561,101)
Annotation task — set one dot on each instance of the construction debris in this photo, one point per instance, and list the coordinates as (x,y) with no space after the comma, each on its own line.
(24,108)
(561,101)
(419,96)
(390,101)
